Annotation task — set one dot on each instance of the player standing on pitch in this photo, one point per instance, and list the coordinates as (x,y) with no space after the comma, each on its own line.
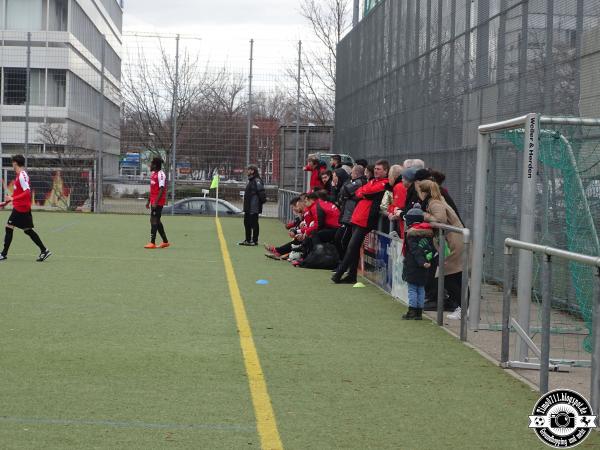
(156,201)
(21,213)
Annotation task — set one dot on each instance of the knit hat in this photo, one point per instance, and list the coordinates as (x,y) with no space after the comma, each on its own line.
(414,215)
(409,174)
(422,174)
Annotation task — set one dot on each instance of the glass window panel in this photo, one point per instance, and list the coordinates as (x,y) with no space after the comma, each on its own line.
(57,18)
(25,15)
(14,86)
(37,88)
(57,85)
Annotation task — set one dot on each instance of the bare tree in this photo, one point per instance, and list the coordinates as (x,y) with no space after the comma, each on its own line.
(329,20)
(59,138)
(148,92)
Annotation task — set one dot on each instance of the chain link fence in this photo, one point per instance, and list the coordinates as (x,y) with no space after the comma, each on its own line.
(417,77)
(90,112)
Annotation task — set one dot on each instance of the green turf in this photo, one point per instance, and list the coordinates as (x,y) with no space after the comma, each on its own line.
(108,345)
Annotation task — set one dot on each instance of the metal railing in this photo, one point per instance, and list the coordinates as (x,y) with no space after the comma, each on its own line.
(284,211)
(464,293)
(544,353)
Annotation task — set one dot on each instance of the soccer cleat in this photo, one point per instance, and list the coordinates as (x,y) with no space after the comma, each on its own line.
(270,248)
(245,243)
(44,256)
(150,245)
(3,257)
(164,245)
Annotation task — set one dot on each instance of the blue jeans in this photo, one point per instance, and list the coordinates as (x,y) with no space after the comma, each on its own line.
(416,296)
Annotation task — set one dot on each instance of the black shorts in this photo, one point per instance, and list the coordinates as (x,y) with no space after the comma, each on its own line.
(156,211)
(22,220)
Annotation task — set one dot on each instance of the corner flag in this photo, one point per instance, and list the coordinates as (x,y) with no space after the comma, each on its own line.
(215,182)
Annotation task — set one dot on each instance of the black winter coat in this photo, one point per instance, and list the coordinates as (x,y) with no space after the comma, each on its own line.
(346,200)
(412,197)
(254,196)
(419,244)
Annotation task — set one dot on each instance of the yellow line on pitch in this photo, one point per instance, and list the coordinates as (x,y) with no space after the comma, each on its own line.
(265,417)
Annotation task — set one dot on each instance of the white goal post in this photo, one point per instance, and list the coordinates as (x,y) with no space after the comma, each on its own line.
(530,123)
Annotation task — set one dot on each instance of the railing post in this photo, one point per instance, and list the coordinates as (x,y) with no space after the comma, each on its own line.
(508,252)
(464,292)
(595,387)
(441,274)
(546,311)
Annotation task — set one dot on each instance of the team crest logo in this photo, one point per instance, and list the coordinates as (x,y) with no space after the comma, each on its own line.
(562,418)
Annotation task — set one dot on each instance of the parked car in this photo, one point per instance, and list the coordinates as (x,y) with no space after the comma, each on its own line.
(346,159)
(193,206)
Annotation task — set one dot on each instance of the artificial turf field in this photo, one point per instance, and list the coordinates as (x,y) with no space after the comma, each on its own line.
(108,345)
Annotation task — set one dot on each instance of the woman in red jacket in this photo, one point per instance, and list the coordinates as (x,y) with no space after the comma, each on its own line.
(314,167)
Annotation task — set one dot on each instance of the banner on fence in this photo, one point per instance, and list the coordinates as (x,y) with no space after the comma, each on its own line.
(382,263)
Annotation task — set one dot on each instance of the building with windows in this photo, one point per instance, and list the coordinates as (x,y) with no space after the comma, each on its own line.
(71,50)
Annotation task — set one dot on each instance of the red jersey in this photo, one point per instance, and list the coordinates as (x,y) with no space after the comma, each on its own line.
(158,180)
(22,193)
(327,215)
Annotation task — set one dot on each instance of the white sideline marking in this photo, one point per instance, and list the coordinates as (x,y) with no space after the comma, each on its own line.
(131,424)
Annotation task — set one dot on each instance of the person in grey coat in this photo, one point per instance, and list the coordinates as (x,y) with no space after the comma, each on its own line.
(254,198)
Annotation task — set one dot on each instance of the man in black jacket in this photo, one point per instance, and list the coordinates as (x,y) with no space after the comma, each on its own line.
(347,203)
(254,198)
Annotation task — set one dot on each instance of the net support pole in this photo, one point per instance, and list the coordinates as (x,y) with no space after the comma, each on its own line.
(483,150)
(441,277)
(27,96)
(506,298)
(249,131)
(355,13)
(595,381)
(464,292)
(527,228)
(297,151)
(174,112)
(546,312)
(100,164)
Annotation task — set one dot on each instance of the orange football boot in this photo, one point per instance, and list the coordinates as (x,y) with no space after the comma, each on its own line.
(164,245)
(150,245)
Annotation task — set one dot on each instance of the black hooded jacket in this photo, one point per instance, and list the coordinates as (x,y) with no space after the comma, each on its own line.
(254,196)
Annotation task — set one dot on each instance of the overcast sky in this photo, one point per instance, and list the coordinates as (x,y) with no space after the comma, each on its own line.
(225,26)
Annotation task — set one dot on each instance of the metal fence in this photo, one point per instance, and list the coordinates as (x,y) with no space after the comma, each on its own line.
(416,77)
(80,101)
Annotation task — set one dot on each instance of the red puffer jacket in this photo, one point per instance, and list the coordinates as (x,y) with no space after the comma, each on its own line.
(366,213)
(399,202)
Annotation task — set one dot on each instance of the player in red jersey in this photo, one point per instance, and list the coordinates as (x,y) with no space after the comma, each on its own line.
(21,213)
(156,201)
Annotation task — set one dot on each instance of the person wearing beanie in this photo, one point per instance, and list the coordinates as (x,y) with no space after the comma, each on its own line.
(412,197)
(418,253)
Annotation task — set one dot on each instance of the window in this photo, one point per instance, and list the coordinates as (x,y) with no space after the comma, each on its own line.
(197,206)
(15,86)
(221,208)
(57,86)
(57,18)
(37,88)
(25,15)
